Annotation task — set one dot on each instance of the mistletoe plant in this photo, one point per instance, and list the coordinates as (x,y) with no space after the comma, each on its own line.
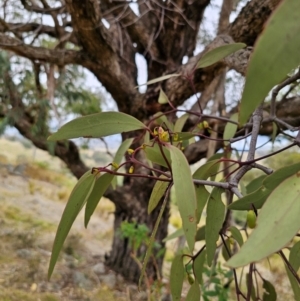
(271,201)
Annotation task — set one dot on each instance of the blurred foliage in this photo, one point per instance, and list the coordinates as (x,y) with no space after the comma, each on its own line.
(71,95)
(286,158)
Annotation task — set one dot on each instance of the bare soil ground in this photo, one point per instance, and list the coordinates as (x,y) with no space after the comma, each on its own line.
(33,193)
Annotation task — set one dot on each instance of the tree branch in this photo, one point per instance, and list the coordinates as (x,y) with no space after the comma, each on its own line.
(251,20)
(32,7)
(53,56)
(23,122)
(37,28)
(118,74)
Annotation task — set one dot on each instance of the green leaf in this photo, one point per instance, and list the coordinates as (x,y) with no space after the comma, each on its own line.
(218,54)
(225,254)
(277,223)
(269,293)
(119,156)
(176,234)
(214,221)
(294,257)
(122,150)
(294,284)
(77,199)
(256,198)
(163,121)
(194,293)
(216,156)
(158,192)
(159,79)
(294,260)
(103,182)
(272,60)
(101,185)
(230,128)
(200,235)
(236,234)
(269,183)
(152,238)
(205,171)
(185,194)
(153,154)
(273,180)
(202,196)
(176,277)
(274,132)
(181,136)
(253,293)
(198,266)
(180,122)
(210,168)
(163,98)
(255,184)
(97,126)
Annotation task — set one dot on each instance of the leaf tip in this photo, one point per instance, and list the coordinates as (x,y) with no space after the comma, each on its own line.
(51,138)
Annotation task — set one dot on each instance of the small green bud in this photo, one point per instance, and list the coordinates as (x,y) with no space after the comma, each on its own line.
(251,219)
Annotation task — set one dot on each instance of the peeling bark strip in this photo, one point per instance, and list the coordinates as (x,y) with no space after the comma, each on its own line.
(163,33)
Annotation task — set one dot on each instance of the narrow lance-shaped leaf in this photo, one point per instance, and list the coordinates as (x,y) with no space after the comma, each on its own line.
(75,203)
(103,182)
(217,54)
(269,183)
(119,156)
(255,184)
(176,234)
(162,98)
(277,224)
(236,234)
(185,194)
(153,153)
(253,290)
(152,238)
(214,221)
(294,284)
(294,257)
(294,260)
(97,126)
(270,293)
(198,266)
(179,124)
(176,277)
(274,132)
(230,128)
(205,171)
(194,293)
(182,136)
(202,196)
(272,60)
(225,248)
(101,185)
(163,121)
(159,79)
(200,235)
(158,192)
(256,199)
(122,150)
